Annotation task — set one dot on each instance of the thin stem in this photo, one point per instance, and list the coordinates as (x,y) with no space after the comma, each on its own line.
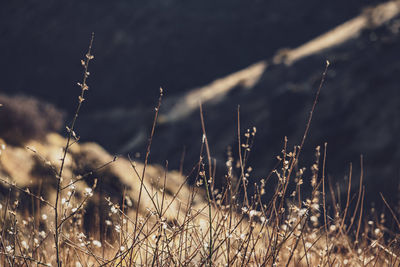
(71,134)
(206,185)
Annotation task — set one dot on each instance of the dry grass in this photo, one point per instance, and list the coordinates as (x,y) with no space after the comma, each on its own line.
(191,226)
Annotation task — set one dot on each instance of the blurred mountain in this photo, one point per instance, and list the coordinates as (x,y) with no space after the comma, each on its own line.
(357,113)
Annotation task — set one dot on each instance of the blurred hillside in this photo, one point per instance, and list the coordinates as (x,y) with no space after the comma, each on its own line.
(87,165)
(358,112)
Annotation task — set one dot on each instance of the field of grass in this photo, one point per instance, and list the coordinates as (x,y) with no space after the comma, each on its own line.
(154,224)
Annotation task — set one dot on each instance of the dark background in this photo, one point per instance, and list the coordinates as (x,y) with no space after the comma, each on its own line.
(142,45)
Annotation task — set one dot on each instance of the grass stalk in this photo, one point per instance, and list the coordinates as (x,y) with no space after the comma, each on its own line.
(71,134)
